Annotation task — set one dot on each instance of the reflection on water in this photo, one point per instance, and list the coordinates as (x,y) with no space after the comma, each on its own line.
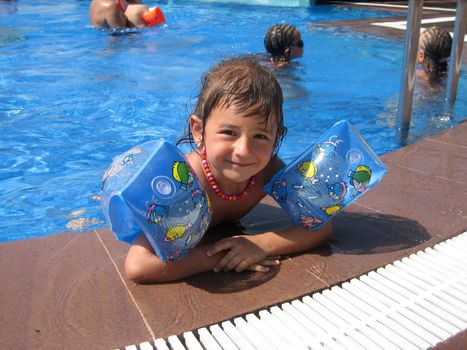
(292,82)
(7,7)
(431,112)
(79,96)
(290,76)
(8,36)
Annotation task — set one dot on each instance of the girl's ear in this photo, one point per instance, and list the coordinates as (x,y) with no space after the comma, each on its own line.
(196,127)
(287,53)
(420,57)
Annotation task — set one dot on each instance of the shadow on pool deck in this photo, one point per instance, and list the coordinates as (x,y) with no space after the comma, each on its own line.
(68,290)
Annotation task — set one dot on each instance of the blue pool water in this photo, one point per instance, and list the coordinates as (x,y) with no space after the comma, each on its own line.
(72,97)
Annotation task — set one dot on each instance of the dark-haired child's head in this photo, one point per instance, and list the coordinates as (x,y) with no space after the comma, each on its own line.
(243,84)
(283,42)
(434,51)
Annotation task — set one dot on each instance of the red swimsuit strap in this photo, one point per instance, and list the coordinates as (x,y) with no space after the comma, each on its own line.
(119,4)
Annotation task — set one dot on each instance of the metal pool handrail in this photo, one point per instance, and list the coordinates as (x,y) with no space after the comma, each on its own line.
(456,51)
(412,35)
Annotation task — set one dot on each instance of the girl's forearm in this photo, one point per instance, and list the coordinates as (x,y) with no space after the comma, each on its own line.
(292,240)
(143,266)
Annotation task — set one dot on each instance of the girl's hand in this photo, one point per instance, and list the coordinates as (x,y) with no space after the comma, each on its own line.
(262,266)
(242,254)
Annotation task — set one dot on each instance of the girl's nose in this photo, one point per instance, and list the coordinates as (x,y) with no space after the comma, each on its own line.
(242,147)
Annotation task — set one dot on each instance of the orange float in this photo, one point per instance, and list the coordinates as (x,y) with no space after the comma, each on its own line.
(153,17)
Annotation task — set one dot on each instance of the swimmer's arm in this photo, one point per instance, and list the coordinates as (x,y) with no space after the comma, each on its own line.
(246,251)
(116,19)
(143,266)
(294,239)
(134,13)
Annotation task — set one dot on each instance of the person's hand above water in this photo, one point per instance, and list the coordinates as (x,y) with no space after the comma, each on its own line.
(242,254)
(134,13)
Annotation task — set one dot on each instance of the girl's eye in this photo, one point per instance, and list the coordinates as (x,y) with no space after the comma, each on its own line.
(227,132)
(261,137)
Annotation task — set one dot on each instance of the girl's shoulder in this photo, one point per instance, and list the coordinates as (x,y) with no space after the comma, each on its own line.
(275,164)
(194,161)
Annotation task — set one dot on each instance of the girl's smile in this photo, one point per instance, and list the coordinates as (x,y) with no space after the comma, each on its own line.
(237,164)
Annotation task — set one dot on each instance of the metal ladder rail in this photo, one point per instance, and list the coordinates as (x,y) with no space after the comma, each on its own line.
(456,51)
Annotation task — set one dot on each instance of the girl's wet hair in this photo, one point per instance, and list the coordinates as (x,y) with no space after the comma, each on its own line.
(436,44)
(243,83)
(278,38)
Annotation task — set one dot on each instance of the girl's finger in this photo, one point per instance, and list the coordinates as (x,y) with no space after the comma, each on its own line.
(276,257)
(218,247)
(270,262)
(221,265)
(233,263)
(258,268)
(243,265)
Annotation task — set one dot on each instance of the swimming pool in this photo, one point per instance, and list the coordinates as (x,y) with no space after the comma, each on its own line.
(73,97)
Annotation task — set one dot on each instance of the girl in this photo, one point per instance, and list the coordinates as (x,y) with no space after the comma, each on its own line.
(235,129)
(433,54)
(283,42)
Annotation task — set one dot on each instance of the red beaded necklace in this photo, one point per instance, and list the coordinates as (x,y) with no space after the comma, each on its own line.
(215,186)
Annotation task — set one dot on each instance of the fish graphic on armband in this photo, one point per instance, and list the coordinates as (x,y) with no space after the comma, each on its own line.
(338,190)
(331,210)
(360,178)
(310,221)
(198,197)
(328,148)
(182,173)
(177,231)
(279,190)
(156,214)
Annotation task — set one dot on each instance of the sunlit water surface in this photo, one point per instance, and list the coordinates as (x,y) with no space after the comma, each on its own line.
(72,97)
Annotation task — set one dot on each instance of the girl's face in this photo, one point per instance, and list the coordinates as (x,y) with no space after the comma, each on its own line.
(238,146)
(296,48)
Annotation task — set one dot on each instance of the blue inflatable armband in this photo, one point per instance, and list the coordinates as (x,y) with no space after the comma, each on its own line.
(329,175)
(151,188)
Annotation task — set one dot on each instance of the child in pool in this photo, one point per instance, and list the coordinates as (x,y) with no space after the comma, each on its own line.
(235,130)
(283,42)
(117,14)
(433,55)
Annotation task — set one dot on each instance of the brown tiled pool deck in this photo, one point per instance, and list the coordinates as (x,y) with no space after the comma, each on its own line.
(68,291)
